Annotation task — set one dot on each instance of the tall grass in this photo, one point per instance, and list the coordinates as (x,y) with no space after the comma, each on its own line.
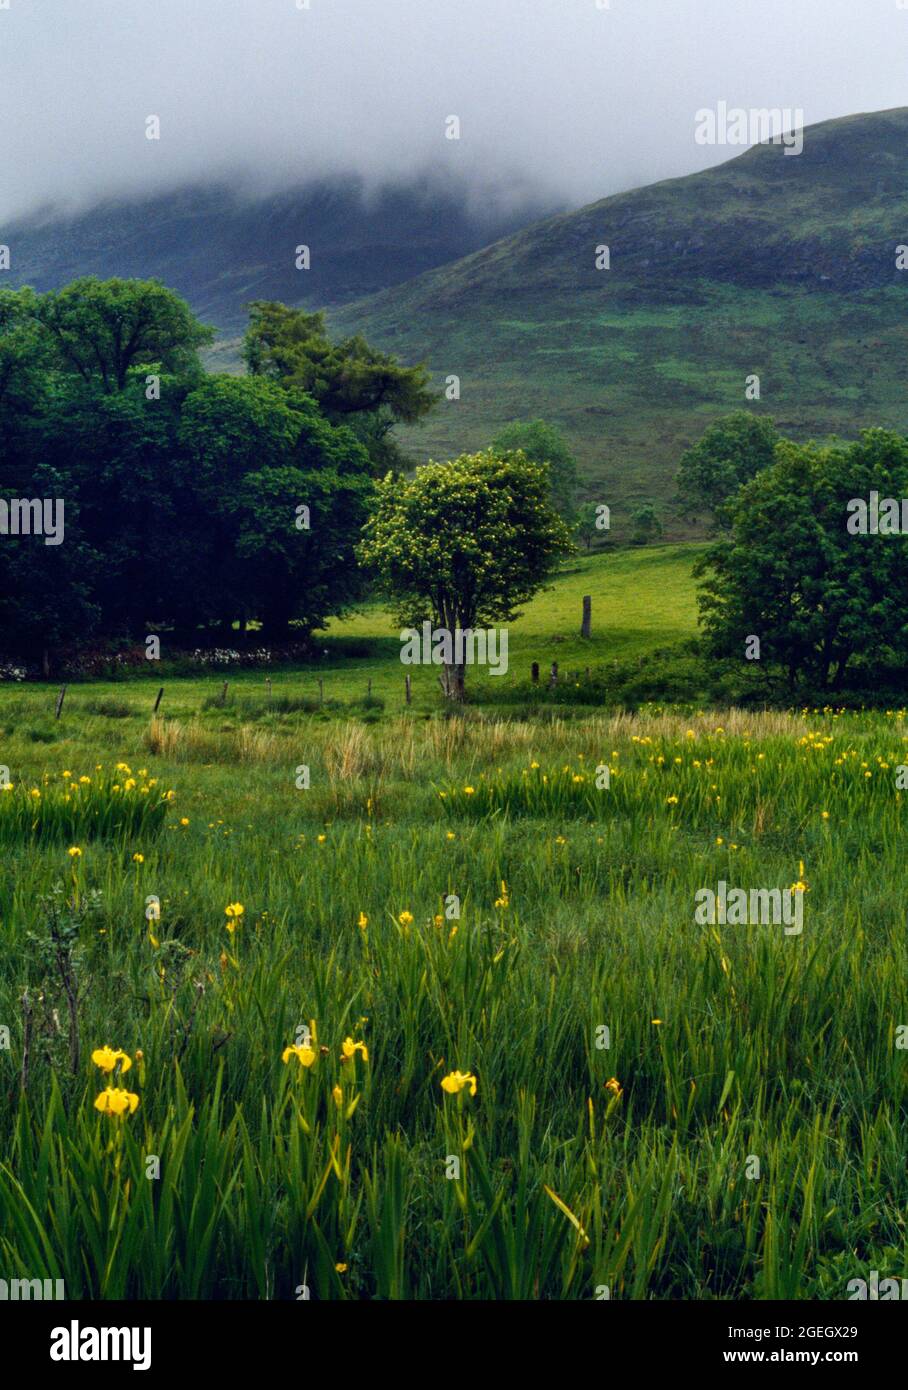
(71,807)
(742,1135)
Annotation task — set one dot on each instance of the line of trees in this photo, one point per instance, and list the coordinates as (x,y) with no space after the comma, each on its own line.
(191,500)
(195,502)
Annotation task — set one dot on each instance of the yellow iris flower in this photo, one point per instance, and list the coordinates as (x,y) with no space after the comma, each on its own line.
(116,1101)
(304,1055)
(107,1058)
(455,1081)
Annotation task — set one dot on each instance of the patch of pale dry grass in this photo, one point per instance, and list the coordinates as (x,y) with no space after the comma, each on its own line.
(403,748)
(196,743)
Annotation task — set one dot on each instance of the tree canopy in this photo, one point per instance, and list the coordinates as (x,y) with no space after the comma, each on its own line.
(732,450)
(792,574)
(544,443)
(464,544)
(346,378)
(191,501)
(102,329)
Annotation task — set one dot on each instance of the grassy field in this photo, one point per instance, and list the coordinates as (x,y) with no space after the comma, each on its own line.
(450,895)
(642,600)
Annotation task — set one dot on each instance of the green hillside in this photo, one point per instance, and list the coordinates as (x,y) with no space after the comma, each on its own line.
(771,264)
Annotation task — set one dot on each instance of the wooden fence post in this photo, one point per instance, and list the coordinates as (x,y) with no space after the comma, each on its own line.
(553,676)
(586,628)
(60,699)
(158,700)
(408,689)
(534,673)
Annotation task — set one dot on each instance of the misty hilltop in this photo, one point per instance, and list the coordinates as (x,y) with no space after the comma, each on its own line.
(220,249)
(779,266)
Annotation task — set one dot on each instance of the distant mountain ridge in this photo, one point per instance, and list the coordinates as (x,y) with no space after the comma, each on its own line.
(219,248)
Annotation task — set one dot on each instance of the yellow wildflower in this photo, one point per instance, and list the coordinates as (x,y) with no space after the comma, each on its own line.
(116,1101)
(107,1058)
(455,1081)
(304,1055)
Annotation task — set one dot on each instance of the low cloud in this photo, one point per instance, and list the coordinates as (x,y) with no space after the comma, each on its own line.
(558,99)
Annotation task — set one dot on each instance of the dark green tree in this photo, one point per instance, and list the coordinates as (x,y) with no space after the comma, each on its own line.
(731,452)
(103,329)
(646,524)
(544,443)
(351,382)
(284,494)
(791,573)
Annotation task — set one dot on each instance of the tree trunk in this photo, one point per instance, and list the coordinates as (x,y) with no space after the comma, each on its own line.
(453,682)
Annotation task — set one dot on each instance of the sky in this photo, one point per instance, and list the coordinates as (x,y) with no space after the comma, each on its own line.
(557,99)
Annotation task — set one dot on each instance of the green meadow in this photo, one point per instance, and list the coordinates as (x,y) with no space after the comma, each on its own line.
(633,1101)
